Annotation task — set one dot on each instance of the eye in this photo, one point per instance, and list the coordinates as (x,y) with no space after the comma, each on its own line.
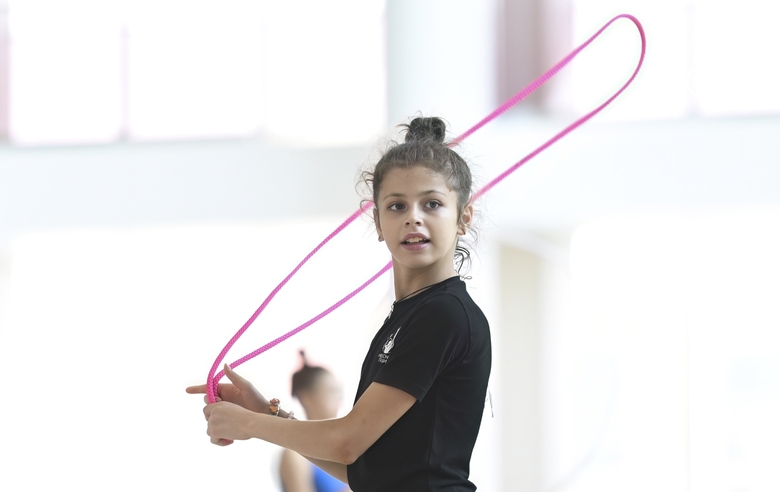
(396,206)
(433,204)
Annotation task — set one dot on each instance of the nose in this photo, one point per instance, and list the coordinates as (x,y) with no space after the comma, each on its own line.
(414,216)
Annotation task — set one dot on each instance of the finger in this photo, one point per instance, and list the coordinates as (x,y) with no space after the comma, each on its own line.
(218,440)
(209,408)
(195,390)
(221,442)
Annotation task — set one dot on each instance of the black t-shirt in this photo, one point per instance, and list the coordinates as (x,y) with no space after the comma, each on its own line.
(436,347)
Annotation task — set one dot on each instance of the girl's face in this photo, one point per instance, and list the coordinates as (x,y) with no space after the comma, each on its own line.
(416,214)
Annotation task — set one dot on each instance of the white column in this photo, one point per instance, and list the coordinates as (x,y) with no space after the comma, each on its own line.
(4,71)
(441,60)
(519,395)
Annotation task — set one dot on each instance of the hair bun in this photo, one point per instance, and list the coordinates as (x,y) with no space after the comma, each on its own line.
(426,129)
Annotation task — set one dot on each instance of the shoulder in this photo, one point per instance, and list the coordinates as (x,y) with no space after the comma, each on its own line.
(445,301)
(441,308)
(454,304)
(450,313)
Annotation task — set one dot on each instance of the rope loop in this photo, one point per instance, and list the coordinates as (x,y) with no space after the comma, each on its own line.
(214,377)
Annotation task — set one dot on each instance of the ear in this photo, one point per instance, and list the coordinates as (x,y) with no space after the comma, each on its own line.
(465,220)
(378,226)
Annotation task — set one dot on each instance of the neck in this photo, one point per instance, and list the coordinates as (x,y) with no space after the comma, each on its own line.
(407,282)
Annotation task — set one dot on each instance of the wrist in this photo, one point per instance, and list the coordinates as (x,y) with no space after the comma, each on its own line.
(275,410)
(273,406)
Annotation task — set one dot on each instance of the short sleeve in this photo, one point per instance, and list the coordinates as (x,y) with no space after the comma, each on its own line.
(433,337)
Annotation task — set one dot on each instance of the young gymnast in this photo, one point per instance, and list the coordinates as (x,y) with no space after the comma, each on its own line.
(423,383)
(319,393)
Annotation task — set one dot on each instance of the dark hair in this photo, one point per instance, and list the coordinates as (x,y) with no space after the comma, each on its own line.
(306,377)
(424,146)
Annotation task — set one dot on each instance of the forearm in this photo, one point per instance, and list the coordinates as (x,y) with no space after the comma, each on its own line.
(337,470)
(340,440)
(328,441)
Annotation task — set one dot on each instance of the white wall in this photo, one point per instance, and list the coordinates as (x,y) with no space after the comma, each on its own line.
(600,169)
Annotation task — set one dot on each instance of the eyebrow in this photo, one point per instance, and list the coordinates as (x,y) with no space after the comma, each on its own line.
(423,193)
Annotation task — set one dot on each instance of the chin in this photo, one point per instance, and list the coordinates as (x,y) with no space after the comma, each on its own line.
(419,265)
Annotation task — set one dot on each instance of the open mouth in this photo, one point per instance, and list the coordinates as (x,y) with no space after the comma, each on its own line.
(416,240)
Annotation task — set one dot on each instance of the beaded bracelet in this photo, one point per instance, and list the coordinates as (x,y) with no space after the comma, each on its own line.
(274,406)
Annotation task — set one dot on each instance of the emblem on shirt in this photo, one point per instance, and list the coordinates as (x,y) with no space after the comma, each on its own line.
(388,346)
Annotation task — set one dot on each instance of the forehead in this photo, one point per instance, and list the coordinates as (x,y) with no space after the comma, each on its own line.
(413,180)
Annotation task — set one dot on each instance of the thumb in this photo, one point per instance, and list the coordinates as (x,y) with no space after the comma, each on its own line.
(234,378)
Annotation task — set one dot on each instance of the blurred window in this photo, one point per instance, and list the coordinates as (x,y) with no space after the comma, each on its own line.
(706,58)
(100,71)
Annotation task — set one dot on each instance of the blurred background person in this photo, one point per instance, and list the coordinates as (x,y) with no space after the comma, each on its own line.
(320,395)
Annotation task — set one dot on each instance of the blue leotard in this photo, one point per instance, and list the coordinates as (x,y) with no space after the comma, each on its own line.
(326,483)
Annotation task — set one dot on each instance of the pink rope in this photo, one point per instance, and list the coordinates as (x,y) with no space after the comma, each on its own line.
(214,377)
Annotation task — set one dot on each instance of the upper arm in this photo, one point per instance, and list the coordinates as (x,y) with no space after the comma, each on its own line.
(340,440)
(377,409)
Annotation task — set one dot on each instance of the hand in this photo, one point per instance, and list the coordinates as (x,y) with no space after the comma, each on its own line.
(227,422)
(241,392)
